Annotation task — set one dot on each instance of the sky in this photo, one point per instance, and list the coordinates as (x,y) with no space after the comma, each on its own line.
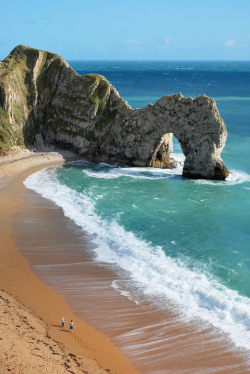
(129,29)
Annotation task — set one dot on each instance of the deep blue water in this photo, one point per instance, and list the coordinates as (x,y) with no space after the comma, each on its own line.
(181,239)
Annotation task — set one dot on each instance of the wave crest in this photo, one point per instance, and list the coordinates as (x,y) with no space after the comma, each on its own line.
(194,293)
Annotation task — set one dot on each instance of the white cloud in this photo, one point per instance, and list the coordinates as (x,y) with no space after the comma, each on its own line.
(133,42)
(229,43)
(167,40)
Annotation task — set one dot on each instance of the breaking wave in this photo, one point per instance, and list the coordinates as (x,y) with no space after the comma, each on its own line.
(192,293)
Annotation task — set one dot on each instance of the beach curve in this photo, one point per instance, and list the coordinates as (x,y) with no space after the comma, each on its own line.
(31,335)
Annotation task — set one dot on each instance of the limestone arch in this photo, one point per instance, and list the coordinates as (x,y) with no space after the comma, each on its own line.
(86,114)
(199,128)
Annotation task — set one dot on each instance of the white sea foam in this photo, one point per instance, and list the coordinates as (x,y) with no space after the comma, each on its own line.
(137,172)
(194,293)
(235,177)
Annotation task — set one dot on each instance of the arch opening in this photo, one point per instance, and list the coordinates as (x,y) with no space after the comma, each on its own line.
(168,153)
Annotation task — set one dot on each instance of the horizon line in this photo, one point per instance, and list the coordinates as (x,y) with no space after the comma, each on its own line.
(148,60)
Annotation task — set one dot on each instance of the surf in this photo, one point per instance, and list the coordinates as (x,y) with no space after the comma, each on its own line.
(191,291)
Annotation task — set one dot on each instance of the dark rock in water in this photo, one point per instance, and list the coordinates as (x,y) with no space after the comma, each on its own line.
(165,163)
(41,95)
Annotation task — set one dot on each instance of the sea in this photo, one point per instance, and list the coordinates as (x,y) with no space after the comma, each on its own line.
(184,243)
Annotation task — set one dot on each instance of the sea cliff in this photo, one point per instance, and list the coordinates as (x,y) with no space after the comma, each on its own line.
(43,101)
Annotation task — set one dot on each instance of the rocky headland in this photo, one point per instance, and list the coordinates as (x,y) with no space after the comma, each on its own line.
(43,101)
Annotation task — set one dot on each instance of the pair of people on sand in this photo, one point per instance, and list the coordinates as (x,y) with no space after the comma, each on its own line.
(71,325)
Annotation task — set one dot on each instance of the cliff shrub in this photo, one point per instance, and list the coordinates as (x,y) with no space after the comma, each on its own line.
(106,120)
(5,130)
(100,91)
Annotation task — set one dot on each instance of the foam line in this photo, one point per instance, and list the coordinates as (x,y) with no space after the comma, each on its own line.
(194,294)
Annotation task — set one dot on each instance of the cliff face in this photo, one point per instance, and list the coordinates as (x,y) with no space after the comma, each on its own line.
(41,94)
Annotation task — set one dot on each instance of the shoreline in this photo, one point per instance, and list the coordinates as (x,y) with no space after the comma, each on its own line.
(93,351)
(186,348)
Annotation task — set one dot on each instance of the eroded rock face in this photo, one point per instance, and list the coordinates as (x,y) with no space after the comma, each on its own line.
(41,94)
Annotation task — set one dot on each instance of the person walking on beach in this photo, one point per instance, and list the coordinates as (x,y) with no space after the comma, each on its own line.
(71,325)
(63,321)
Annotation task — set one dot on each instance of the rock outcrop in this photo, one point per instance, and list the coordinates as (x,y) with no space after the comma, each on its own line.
(40,94)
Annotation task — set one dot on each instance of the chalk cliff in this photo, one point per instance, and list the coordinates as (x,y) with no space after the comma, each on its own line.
(43,99)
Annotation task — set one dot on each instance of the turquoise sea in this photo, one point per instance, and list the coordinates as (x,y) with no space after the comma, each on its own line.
(181,240)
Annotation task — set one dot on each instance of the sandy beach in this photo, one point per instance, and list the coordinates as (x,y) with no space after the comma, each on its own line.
(47,270)
(31,338)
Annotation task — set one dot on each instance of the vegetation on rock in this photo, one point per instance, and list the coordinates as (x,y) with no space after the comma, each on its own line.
(40,95)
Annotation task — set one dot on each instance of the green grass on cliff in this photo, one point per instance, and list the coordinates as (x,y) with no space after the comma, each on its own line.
(5,131)
(17,73)
(4,138)
(100,93)
(106,119)
(8,135)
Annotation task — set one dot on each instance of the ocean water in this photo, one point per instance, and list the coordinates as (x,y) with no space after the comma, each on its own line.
(184,243)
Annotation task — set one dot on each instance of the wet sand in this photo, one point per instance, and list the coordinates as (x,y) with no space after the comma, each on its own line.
(154,340)
(31,338)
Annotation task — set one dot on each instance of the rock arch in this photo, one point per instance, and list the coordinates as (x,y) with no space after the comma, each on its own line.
(44,98)
(144,136)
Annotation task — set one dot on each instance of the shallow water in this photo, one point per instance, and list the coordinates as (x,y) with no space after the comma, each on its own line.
(156,340)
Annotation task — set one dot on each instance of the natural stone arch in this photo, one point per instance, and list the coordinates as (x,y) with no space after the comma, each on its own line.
(142,134)
(47,100)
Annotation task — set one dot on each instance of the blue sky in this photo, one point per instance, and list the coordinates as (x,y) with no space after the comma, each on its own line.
(129,30)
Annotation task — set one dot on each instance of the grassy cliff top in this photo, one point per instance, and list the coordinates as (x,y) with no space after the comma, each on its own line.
(27,73)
